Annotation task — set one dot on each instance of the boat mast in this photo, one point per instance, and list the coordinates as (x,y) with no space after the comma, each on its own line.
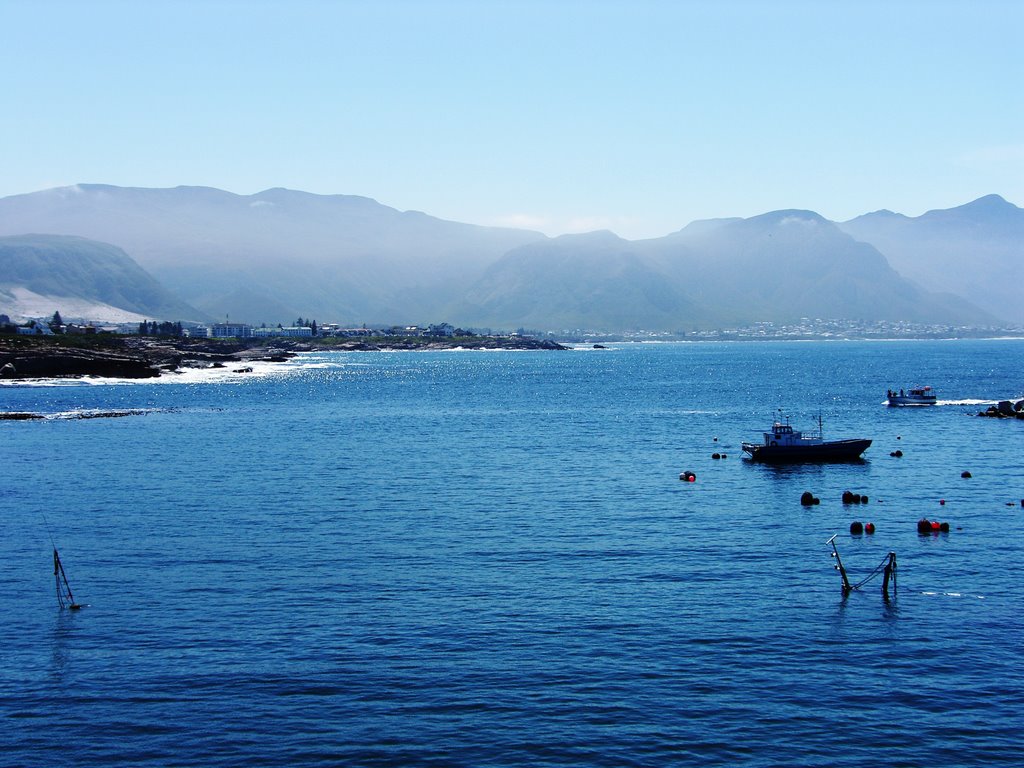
(839,566)
(64,597)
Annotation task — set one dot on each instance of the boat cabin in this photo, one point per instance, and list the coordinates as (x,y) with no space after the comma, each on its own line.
(784,434)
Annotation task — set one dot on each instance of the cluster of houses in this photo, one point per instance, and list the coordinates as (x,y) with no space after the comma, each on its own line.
(245,331)
(241,330)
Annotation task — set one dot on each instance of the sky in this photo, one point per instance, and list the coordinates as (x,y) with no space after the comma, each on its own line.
(560,116)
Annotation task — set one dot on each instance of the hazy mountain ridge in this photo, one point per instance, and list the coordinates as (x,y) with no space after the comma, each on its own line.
(278,254)
(972,250)
(336,256)
(779,266)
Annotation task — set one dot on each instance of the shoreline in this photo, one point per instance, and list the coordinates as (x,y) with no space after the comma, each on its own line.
(143,357)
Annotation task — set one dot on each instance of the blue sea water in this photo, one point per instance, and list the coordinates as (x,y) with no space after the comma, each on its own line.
(488,559)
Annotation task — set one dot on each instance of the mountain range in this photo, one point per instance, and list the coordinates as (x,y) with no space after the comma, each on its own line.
(279,254)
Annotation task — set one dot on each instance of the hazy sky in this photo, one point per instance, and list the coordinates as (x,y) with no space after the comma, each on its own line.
(560,116)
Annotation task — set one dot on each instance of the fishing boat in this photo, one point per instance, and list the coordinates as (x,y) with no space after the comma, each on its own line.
(915,396)
(785,445)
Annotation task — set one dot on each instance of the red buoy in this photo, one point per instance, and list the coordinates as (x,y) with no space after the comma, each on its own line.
(869,528)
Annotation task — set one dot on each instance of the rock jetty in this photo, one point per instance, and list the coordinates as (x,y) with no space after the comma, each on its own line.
(1005,409)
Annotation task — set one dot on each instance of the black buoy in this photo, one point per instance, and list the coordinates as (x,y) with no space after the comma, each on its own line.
(688,477)
(944,527)
(856,527)
(716,455)
(924,525)
(863,499)
(965,473)
(807,498)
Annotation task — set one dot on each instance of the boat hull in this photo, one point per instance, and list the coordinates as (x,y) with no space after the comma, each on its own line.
(896,400)
(825,452)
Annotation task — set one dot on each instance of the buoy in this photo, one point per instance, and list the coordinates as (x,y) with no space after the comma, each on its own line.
(716,439)
(869,528)
(924,525)
(716,455)
(725,455)
(935,525)
(688,477)
(856,527)
(944,527)
(863,499)
(897,453)
(847,497)
(965,474)
(807,498)
(942,502)
(898,437)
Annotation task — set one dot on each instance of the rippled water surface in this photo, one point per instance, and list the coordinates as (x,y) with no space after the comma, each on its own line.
(487,558)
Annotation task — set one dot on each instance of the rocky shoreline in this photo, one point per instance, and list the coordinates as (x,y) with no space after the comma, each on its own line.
(140,357)
(1005,409)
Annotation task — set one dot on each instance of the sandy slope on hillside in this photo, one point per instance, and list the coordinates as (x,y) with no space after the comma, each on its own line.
(21,304)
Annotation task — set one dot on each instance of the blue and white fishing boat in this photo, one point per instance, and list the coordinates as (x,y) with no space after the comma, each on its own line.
(915,396)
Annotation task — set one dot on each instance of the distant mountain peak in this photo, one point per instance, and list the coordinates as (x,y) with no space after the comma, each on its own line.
(990,200)
(597,237)
(789,216)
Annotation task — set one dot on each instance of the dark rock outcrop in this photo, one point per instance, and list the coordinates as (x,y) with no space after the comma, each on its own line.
(1005,409)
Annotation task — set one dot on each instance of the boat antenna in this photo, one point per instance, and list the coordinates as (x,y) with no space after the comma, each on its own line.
(65,599)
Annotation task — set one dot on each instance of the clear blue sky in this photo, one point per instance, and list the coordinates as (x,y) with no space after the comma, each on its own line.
(637,116)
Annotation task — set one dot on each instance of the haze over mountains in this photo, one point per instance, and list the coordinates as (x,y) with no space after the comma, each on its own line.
(975,250)
(280,254)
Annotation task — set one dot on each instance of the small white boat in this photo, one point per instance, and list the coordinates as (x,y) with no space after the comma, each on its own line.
(916,396)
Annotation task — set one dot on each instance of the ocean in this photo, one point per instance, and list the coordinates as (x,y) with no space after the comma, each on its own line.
(468,558)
